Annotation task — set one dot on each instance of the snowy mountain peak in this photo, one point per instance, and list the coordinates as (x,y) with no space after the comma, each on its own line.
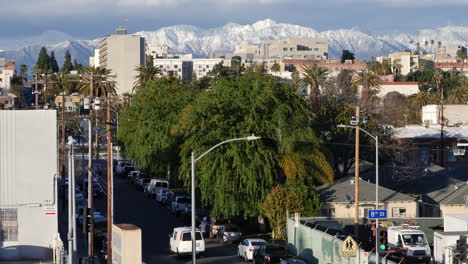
(203,42)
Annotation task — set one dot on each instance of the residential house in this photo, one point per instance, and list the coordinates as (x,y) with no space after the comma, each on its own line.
(452,199)
(338,200)
(72,102)
(449,66)
(7,72)
(454,114)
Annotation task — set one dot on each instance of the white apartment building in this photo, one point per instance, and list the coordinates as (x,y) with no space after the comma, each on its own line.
(94,61)
(7,72)
(408,62)
(292,48)
(163,51)
(178,68)
(453,114)
(122,54)
(201,67)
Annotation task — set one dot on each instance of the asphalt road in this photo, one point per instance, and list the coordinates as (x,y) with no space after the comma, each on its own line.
(131,206)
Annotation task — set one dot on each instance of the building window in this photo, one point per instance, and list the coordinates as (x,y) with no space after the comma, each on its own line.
(398,212)
(175,66)
(285,49)
(364,210)
(316,49)
(199,66)
(8,224)
(328,212)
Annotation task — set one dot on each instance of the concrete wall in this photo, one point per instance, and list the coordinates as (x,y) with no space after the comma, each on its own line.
(453,209)
(28,167)
(405,88)
(455,113)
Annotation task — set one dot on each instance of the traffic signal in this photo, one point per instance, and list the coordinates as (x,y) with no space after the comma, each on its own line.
(382,240)
(87,213)
(461,249)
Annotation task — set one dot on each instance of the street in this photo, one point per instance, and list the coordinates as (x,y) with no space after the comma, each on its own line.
(131,206)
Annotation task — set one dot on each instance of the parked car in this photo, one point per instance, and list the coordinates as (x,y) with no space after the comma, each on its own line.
(133,175)
(161,195)
(142,183)
(271,253)
(216,225)
(121,164)
(180,241)
(229,234)
(155,185)
(179,204)
(247,248)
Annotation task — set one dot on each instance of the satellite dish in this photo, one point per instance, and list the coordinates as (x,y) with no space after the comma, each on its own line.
(349,198)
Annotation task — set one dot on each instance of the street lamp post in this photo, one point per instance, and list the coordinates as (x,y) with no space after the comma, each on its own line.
(376,138)
(194,160)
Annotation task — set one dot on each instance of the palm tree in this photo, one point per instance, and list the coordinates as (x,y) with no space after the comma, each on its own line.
(369,83)
(314,76)
(458,95)
(101,86)
(296,81)
(146,74)
(461,54)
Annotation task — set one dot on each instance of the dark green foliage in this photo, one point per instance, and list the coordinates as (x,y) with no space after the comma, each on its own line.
(23,74)
(145,126)
(43,62)
(67,63)
(347,55)
(53,62)
(236,64)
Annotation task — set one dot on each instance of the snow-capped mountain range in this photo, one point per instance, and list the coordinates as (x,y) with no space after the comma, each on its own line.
(202,42)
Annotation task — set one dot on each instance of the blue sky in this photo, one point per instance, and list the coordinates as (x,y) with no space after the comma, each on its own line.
(89,19)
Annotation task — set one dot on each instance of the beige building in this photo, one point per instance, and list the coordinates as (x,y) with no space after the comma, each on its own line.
(453,114)
(451,200)
(404,88)
(338,200)
(293,48)
(449,53)
(122,54)
(72,102)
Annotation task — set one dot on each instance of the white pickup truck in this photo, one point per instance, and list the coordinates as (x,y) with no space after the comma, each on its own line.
(411,239)
(179,204)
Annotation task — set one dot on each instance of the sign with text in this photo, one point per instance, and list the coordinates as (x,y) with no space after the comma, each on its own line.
(377,214)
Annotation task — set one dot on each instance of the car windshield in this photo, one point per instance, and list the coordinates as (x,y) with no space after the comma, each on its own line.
(414,239)
(231,229)
(187,236)
(183,200)
(257,243)
(276,250)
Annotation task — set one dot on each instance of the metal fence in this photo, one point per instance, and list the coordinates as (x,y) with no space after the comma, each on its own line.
(317,246)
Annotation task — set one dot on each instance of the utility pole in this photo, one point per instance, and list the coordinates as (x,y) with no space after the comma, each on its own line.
(63,132)
(109,183)
(90,175)
(442,121)
(36,92)
(356,174)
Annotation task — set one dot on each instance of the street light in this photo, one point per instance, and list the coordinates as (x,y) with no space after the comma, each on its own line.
(376,138)
(194,160)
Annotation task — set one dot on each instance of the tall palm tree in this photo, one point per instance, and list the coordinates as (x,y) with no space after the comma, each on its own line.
(458,95)
(369,83)
(296,81)
(101,86)
(314,76)
(146,74)
(461,54)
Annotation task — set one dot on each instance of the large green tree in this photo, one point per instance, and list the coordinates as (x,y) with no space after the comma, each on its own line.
(53,62)
(145,126)
(67,63)
(252,103)
(43,62)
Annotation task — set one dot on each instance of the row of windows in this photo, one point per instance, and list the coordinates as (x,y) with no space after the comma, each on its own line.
(8,224)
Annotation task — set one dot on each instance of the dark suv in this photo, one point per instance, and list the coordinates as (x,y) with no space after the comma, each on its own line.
(272,253)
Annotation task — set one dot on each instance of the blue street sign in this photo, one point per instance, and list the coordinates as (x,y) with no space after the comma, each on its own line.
(377,214)
(97,128)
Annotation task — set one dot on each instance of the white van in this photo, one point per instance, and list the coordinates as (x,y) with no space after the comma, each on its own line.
(120,167)
(155,185)
(180,241)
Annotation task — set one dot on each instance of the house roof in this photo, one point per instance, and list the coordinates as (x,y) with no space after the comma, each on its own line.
(418,131)
(339,190)
(454,194)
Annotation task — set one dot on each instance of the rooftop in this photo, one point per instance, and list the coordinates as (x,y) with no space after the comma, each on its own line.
(433,131)
(454,194)
(343,189)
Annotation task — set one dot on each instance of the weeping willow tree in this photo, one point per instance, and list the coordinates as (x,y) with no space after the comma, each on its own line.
(235,178)
(144,126)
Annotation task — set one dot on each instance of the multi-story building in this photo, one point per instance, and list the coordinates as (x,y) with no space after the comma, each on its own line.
(164,52)
(122,54)
(293,48)
(72,101)
(7,72)
(449,53)
(332,66)
(462,67)
(201,67)
(178,68)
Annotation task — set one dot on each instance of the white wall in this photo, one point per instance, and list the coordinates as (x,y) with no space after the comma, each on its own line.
(28,166)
